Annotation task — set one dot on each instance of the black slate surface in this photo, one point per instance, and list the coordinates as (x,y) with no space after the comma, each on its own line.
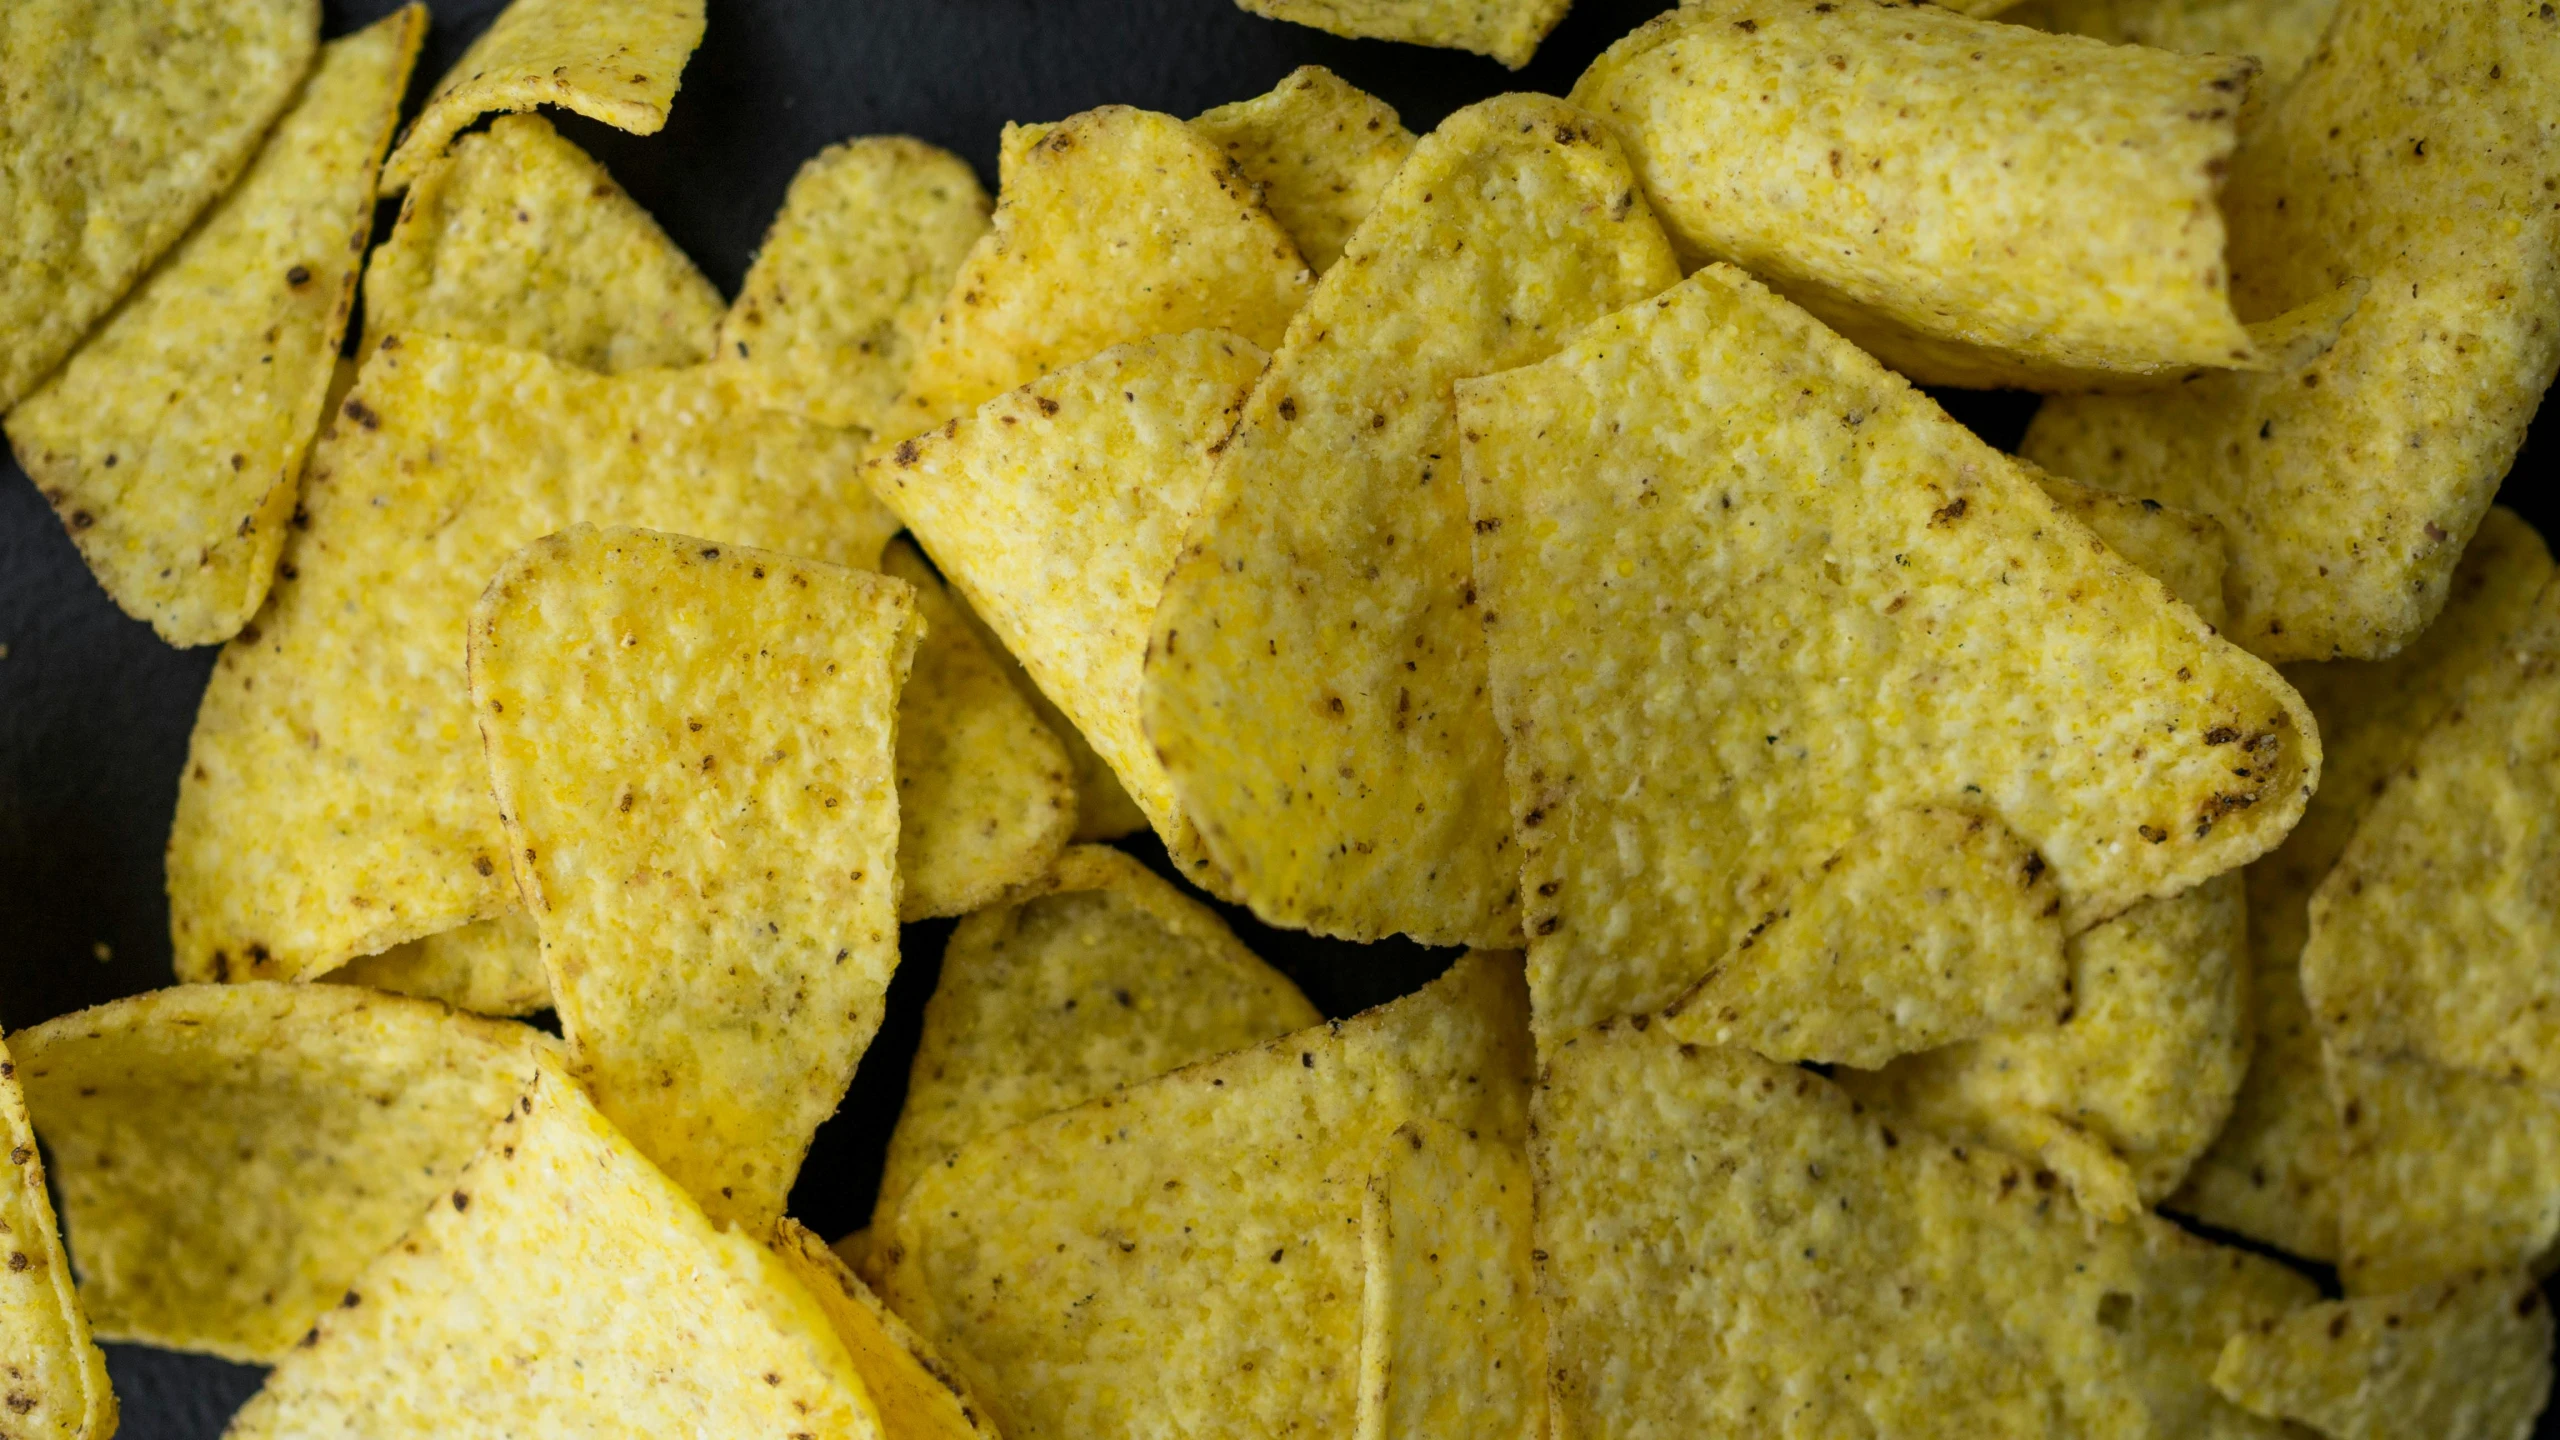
(95,711)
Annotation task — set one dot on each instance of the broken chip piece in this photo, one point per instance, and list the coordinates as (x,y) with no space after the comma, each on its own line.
(1321,149)
(1506,30)
(2467,1359)
(488,967)
(57,1378)
(917,1393)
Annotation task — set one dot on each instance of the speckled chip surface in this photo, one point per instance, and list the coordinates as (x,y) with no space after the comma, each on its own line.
(2279,34)
(1321,148)
(57,1379)
(488,967)
(2468,1359)
(917,1393)
(1506,30)
(1452,1342)
(2439,1172)
(1104,810)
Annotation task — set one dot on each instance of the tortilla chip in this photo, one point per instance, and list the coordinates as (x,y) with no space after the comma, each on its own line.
(1321,148)
(1725,1240)
(335,801)
(488,967)
(1452,1342)
(2469,1359)
(614,61)
(1104,810)
(1978,204)
(1111,226)
(2439,1172)
(1855,575)
(2181,549)
(2279,34)
(228,1157)
(2410,153)
(124,119)
(986,796)
(1507,30)
(1210,1215)
(563,1286)
(171,443)
(917,1393)
(57,1379)
(518,238)
(1315,683)
(1106,976)
(850,276)
(1058,509)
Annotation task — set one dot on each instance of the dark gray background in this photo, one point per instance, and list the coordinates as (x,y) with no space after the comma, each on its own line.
(94,710)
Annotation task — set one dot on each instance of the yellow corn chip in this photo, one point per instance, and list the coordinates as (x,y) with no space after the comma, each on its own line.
(1507,30)
(1184,1256)
(171,443)
(56,1382)
(850,277)
(1452,1343)
(335,802)
(518,238)
(2439,1172)
(2279,34)
(1731,1246)
(488,967)
(1978,204)
(1105,977)
(1110,226)
(2181,549)
(562,1286)
(2411,154)
(617,61)
(123,119)
(2469,1359)
(917,1393)
(1321,148)
(1877,610)
(228,1157)
(1104,810)
(1058,509)
(1316,682)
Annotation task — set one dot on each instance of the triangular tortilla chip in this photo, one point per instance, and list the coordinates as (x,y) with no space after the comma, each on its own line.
(1878,611)
(125,118)
(1321,148)
(1507,30)
(1452,1342)
(1104,810)
(171,443)
(918,1394)
(488,967)
(2469,1359)
(56,1378)
(1316,680)
(2439,1172)
(229,1156)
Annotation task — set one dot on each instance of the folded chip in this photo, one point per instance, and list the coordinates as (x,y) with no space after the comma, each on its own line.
(519,238)
(335,802)
(2440,1172)
(1452,1342)
(1210,1217)
(488,967)
(125,118)
(1110,226)
(1507,30)
(1321,148)
(57,1380)
(2279,34)
(916,1392)
(561,1285)
(1976,203)
(171,443)
(1316,680)
(1732,1246)
(229,1156)
(2351,486)
(2468,1359)
(850,276)
(1103,977)
(1876,611)
(1104,810)
(616,61)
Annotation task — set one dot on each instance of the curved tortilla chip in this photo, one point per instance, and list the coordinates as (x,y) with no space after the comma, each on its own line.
(2181,549)
(2469,1359)
(2279,34)
(1321,149)
(918,1394)
(57,1379)
(2439,1172)
(1507,30)
(488,967)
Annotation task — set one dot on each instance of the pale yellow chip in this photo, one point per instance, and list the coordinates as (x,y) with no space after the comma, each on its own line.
(57,1379)
(1452,1342)
(2181,549)
(1104,977)
(171,443)
(335,802)
(2469,1359)
(519,238)
(1104,810)
(1321,148)
(562,1286)
(986,792)
(124,119)
(1110,226)
(850,276)
(1184,1256)
(2440,1172)
(1316,680)
(616,61)
(1877,611)
(2410,154)
(1058,509)
(488,967)
(917,1393)
(2279,34)
(1726,1240)
(1978,204)
(1507,30)
(229,1156)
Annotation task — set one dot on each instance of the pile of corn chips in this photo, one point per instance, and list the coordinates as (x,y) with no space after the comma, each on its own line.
(1896,876)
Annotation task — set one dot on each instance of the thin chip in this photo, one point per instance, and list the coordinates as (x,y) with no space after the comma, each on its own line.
(1452,1342)
(1104,810)
(229,1156)
(1105,977)
(1879,611)
(850,276)
(1111,226)
(1211,1215)
(1316,680)
(1507,30)
(125,118)
(2440,1172)
(1321,148)
(2279,34)
(2469,1359)
(171,443)
(488,967)
(617,61)
(2351,487)
(57,1377)
(917,1393)
(335,802)
(2181,549)
(1726,1240)
(560,1286)
(1977,204)
(518,238)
